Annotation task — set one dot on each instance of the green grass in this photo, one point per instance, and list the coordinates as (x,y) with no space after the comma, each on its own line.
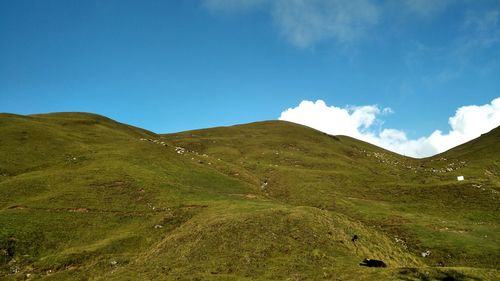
(83,197)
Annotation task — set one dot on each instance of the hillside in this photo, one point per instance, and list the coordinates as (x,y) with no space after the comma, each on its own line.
(83,197)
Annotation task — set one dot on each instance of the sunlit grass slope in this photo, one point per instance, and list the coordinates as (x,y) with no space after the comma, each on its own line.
(83,197)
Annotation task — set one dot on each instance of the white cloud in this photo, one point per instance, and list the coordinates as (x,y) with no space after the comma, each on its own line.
(483,31)
(231,6)
(306,22)
(469,122)
(425,7)
(475,48)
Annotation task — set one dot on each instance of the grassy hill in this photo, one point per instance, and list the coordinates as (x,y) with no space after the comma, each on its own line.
(83,197)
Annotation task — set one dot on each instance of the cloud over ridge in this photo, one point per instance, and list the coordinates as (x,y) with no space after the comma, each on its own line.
(469,122)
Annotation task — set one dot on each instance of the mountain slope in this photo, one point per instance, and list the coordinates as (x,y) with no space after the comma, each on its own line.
(418,200)
(85,197)
(481,154)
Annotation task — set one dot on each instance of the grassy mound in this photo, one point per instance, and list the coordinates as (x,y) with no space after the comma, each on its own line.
(83,197)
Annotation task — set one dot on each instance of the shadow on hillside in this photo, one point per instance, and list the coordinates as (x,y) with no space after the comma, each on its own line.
(411,274)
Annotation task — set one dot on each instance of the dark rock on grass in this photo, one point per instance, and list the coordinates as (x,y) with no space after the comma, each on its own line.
(355,238)
(373,263)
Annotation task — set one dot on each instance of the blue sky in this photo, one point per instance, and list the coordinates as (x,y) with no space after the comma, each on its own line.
(176,65)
